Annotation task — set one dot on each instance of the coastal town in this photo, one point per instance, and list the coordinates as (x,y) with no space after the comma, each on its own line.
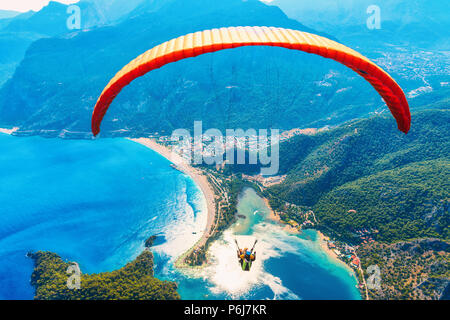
(207,145)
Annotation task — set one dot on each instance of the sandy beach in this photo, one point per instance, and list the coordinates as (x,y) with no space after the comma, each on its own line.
(197,175)
(274,217)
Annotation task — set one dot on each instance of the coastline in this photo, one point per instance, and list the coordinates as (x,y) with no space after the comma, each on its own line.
(274,217)
(323,244)
(9,131)
(207,190)
(189,271)
(199,178)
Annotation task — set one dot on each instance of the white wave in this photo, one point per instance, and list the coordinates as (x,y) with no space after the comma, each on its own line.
(275,284)
(187,228)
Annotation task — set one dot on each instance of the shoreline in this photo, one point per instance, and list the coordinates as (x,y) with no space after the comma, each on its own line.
(323,244)
(274,217)
(9,131)
(199,178)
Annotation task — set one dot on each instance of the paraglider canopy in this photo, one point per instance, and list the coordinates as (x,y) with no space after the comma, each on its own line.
(194,44)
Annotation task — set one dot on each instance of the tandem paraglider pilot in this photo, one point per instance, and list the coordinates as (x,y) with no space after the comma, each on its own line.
(246,256)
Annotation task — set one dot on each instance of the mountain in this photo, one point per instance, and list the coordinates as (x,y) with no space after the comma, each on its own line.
(52,19)
(7,14)
(244,87)
(49,21)
(16,44)
(108,12)
(215,88)
(401,204)
(395,183)
(417,22)
(385,194)
(411,44)
(133,281)
(19,30)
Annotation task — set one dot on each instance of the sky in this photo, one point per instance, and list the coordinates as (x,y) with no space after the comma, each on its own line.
(26,5)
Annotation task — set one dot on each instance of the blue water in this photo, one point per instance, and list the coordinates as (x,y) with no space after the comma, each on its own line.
(94,202)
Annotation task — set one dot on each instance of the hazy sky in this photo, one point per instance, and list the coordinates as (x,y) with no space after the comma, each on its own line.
(25,5)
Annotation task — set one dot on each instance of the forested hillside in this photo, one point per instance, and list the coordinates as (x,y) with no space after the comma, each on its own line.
(386,193)
(134,281)
(317,164)
(417,269)
(400,204)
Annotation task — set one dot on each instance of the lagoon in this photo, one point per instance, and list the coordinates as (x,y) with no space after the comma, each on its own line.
(97,201)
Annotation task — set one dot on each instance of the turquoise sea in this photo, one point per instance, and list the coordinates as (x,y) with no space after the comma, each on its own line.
(95,202)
